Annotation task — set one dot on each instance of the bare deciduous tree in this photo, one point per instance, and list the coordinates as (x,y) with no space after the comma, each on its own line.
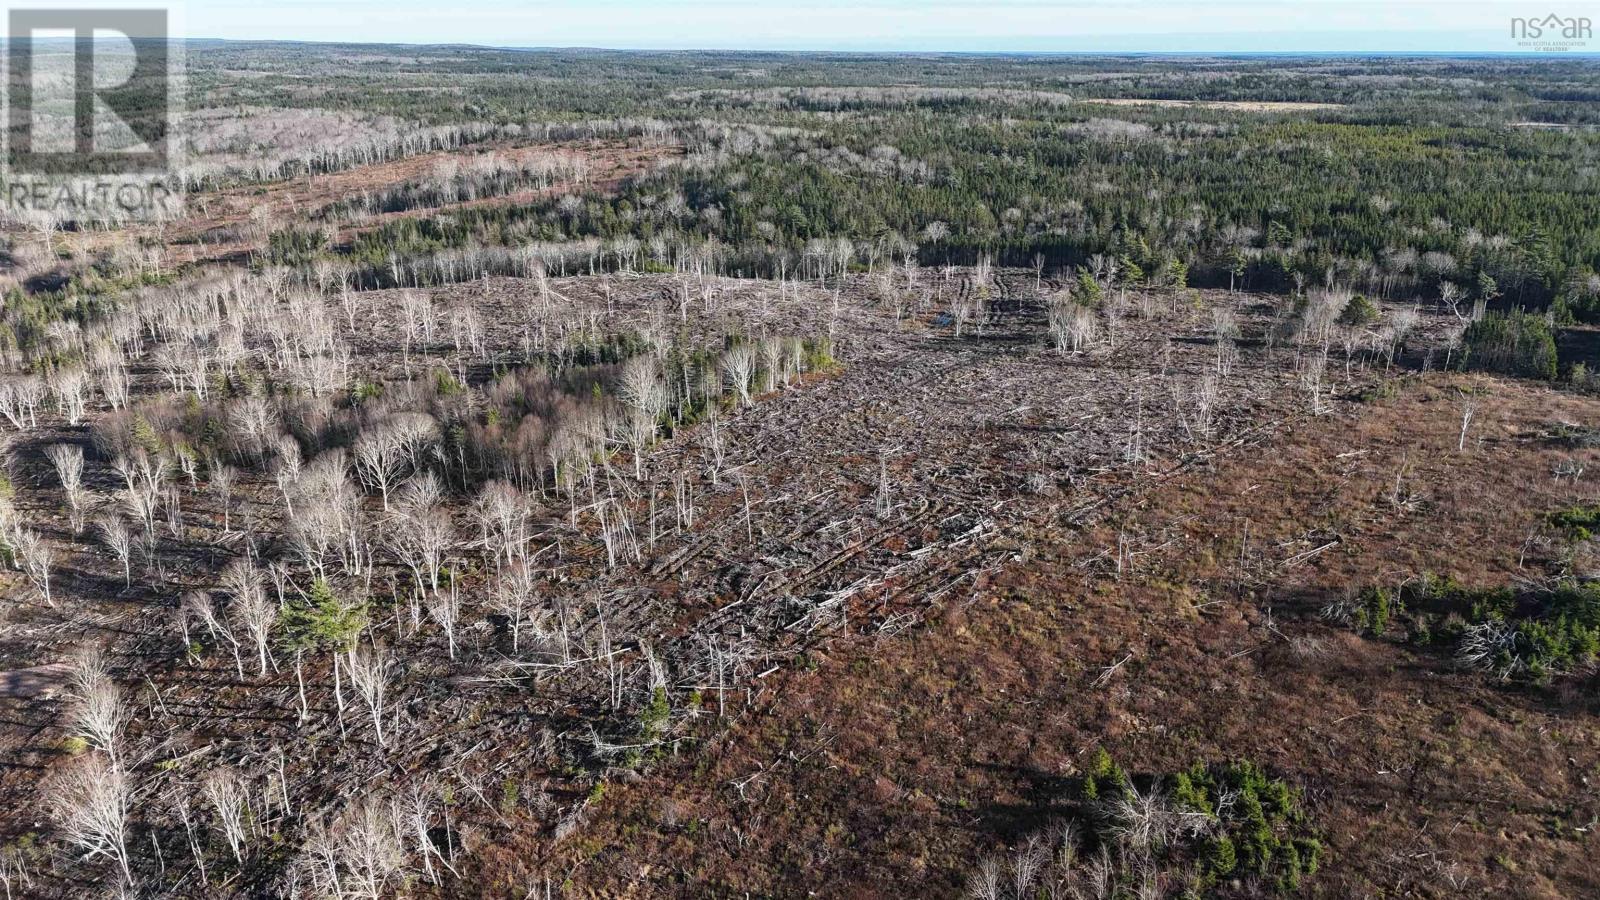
(1451,295)
(418,815)
(712,444)
(98,713)
(444,608)
(371,848)
(197,606)
(20,399)
(286,469)
(254,427)
(35,557)
(420,536)
(738,368)
(255,612)
(1073,326)
(222,480)
(145,479)
(111,369)
(114,533)
(369,674)
(326,520)
(14,871)
(644,391)
(515,595)
(385,453)
(68,462)
(71,387)
(89,801)
(1198,408)
(985,882)
(228,796)
(1225,331)
(503,516)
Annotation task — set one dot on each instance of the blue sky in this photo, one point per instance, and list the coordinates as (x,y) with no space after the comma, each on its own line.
(962,25)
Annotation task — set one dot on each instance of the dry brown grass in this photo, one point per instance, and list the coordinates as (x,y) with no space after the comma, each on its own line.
(896,764)
(1239,105)
(255,208)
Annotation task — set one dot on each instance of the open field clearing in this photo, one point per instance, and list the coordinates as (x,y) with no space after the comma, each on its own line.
(235,223)
(1238,105)
(1185,625)
(864,469)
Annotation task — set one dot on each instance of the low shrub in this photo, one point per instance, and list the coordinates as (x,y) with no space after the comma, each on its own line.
(1578,522)
(1514,343)
(1359,311)
(1526,633)
(1261,830)
(321,620)
(1198,832)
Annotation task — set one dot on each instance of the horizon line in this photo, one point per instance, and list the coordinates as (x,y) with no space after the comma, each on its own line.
(886,51)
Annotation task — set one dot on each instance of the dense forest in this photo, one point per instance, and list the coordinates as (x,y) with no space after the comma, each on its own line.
(1476,178)
(1393,175)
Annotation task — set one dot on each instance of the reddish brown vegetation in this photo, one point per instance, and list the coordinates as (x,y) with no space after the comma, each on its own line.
(225,224)
(892,766)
